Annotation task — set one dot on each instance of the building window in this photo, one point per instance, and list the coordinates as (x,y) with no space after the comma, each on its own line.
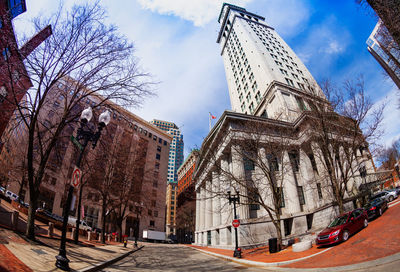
(319,190)
(155,184)
(248,164)
(251,107)
(155,213)
(159,148)
(294,160)
(289,81)
(6,53)
(273,162)
(152,223)
(300,103)
(158,157)
(3,93)
(150,212)
(258,96)
(313,163)
(300,192)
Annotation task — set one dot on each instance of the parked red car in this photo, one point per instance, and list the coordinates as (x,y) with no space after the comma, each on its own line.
(342,227)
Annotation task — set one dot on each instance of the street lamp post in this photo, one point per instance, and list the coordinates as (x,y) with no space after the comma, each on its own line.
(86,134)
(138,209)
(237,253)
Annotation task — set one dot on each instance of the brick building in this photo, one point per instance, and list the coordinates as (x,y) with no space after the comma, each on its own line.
(14,80)
(186,200)
(129,150)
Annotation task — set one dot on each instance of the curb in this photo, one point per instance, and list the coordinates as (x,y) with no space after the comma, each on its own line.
(108,263)
(259,264)
(275,266)
(350,267)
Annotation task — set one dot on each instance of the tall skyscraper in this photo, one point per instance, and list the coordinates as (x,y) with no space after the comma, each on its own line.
(261,160)
(176,148)
(175,161)
(264,75)
(384,49)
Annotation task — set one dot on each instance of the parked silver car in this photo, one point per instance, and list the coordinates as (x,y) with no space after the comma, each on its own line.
(386,195)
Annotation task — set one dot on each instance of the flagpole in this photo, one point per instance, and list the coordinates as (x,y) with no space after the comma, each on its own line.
(209,120)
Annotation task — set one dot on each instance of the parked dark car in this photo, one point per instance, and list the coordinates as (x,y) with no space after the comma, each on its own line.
(342,227)
(376,207)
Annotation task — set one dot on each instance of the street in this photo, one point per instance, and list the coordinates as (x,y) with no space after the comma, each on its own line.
(161,257)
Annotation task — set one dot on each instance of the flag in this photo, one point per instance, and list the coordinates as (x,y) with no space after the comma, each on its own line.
(212,116)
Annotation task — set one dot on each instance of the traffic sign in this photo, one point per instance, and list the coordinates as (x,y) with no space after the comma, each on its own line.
(75,141)
(235,223)
(76,177)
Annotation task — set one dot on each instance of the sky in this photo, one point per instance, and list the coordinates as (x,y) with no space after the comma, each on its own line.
(175,41)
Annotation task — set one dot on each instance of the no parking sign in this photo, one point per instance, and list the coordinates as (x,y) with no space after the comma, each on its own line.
(76,177)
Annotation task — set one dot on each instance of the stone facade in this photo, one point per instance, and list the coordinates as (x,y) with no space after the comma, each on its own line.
(307,196)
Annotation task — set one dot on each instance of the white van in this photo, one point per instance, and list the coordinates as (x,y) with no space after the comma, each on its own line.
(82,225)
(11,195)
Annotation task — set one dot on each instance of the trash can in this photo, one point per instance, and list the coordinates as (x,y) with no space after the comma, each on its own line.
(273,245)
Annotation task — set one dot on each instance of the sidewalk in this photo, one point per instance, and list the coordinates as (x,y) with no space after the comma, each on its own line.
(379,242)
(19,254)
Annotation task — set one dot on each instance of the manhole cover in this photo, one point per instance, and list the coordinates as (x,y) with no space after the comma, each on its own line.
(39,251)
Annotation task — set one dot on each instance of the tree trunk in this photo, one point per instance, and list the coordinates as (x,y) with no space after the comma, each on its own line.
(103,227)
(30,227)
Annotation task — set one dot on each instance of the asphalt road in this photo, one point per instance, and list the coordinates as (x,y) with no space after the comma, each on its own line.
(160,257)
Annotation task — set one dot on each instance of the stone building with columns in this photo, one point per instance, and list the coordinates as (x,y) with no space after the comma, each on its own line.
(307,197)
(289,189)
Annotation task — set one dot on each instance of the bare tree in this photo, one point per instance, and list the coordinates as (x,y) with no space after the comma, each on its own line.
(388,11)
(83,57)
(390,155)
(262,149)
(345,129)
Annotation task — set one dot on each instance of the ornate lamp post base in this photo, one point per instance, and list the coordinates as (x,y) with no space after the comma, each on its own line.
(237,253)
(62,262)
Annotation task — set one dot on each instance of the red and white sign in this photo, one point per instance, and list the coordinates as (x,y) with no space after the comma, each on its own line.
(235,223)
(76,177)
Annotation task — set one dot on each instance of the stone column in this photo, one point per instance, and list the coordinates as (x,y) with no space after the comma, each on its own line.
(208,207)
(292,204)
(197,223)
(307,176)
(264,187)
(216,201)
(224,187)
(322,173)
(202,208)
(238,172)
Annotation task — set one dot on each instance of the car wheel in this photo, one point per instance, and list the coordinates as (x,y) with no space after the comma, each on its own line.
(380,211)
(345,235)
(365,223)
(391,198)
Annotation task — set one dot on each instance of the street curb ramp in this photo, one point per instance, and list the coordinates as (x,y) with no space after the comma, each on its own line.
(108,263)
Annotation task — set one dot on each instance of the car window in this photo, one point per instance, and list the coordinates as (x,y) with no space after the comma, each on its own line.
(339,221)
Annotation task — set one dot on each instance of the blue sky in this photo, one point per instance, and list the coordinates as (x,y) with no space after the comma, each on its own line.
(176,42)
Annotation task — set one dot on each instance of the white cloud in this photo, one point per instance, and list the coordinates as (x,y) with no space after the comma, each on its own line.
(200,12)
(333,47)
